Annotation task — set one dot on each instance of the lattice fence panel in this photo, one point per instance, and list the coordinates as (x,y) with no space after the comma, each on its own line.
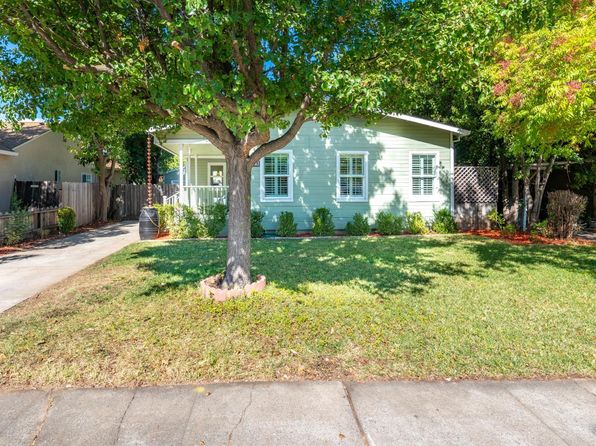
(474,184)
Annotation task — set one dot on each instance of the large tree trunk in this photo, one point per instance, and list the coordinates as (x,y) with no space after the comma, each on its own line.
(238,264)
(103,199)
(104,178)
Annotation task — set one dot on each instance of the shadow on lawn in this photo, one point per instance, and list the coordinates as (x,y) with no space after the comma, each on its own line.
(378,266)
(503,256)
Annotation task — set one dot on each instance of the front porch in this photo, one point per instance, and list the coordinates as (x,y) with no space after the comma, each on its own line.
(202,173)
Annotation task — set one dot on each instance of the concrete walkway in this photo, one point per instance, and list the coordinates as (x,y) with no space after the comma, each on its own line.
(26,273)
(307,413)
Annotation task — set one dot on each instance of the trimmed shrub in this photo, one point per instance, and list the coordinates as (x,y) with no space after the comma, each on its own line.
(287,227)
(322,222)
(540,229)
(215,219)
(17,226)
(443,222)
(389,224)
(187,224)
(564,209)
(166,214)
(256,224)
(496,219)
(509,229)
(416,223)
(358,226)
(67,220)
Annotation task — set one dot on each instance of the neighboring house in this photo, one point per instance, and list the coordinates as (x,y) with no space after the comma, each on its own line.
(35,153)
(399,164)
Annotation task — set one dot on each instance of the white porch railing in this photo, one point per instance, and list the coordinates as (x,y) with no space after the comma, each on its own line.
(199,197)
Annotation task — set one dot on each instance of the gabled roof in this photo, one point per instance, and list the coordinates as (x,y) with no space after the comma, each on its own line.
(10,138)
(429,123)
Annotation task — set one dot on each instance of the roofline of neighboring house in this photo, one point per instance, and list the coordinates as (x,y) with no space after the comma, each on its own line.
(28,141)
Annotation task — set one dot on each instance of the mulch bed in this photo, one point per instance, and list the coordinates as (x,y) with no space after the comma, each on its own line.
(29,244)
(524,238)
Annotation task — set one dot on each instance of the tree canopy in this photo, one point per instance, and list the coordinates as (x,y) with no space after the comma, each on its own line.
(543,87)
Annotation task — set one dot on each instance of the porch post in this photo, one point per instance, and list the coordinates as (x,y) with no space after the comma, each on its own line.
(180,172)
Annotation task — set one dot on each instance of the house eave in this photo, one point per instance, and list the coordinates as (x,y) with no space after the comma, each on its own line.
(429,123)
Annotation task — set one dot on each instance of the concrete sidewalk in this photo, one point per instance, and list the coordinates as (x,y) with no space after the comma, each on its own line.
(307,413)
(26,273)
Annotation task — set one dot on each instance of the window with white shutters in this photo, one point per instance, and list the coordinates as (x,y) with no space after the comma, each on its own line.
(423,174)
(276,177)
(352,174)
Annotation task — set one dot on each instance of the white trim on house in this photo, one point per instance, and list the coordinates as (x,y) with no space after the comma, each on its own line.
(436,196)
(225,173)
(338,176)
(8,153)
(429,123)
(290,175)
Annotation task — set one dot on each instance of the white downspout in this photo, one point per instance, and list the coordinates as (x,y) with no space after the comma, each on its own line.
(452,174)
(180,172)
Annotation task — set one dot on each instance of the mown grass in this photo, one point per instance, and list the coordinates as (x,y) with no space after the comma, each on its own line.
(353,308)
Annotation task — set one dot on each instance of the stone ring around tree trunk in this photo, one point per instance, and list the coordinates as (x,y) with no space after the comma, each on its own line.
(210,288)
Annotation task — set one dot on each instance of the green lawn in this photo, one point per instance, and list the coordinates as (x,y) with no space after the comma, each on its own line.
(362,308)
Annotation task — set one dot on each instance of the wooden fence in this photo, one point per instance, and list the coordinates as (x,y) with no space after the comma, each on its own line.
(128,199)
(476,194)
(37,194)
(81,197)
(39,223)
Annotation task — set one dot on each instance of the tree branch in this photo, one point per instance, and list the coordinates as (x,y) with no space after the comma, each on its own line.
(284,139)
(162,11)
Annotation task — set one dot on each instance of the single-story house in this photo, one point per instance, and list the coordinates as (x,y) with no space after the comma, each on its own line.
(36,153)
(398,164)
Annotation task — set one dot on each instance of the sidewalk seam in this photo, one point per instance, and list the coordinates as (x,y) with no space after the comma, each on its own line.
(49,404)
(529,409)
(355,415)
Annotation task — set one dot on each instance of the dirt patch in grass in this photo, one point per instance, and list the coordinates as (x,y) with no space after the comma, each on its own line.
(440,307)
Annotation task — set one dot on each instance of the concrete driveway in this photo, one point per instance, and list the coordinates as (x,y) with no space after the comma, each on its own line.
(307,413)
(26,273)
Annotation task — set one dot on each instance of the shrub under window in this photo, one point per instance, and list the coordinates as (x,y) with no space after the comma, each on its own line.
(389,224)
(358,226)
(443,222)
(322,222)
(287,227)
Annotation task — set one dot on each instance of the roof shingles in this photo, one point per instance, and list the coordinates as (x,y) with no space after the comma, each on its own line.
(10,138)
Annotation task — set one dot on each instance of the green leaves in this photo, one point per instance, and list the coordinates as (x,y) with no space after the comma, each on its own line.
(543,87)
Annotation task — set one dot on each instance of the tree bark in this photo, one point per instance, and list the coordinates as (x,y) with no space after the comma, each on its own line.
(239,243)
(102,196)
(540,186)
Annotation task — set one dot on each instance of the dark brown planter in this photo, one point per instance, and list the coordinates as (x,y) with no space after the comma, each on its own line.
(209,289)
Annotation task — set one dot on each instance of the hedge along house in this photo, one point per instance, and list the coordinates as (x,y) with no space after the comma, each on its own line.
(398,164)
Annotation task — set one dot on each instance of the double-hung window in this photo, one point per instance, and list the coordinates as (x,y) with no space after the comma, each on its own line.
(352,176)
(276,177)
(424,168)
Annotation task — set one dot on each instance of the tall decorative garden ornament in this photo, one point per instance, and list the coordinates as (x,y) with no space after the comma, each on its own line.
(149,218)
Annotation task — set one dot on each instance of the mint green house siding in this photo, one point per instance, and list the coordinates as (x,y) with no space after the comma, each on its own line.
(399,164)
(389,145)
